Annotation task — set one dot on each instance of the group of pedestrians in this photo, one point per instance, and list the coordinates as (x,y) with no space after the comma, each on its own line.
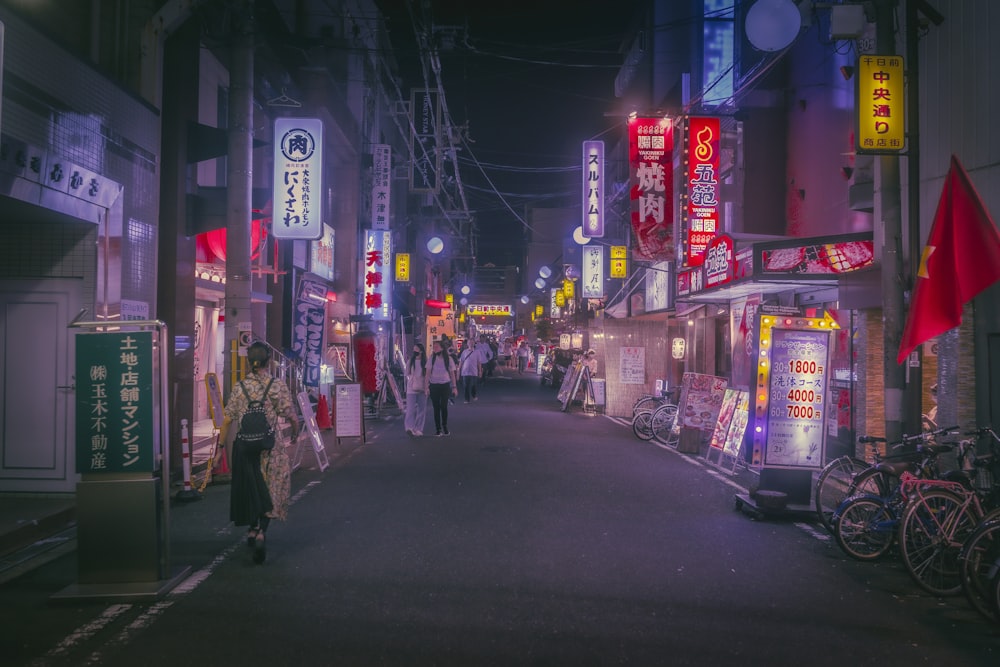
(437,378)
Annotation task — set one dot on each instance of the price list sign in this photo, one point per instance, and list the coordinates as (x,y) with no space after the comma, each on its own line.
(798,383)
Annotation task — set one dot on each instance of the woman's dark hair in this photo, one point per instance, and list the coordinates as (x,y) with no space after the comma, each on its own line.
(423,358)
(258,354)
(443,353)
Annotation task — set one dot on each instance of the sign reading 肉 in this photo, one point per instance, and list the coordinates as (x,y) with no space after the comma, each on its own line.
(798,384)
(115,426)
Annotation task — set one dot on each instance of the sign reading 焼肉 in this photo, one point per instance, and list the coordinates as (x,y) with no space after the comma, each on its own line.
(651,149)
(115,425)
(797,391)
(298,178)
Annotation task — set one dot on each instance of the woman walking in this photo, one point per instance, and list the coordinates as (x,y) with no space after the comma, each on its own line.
(469,369)
(416,393)
(440,381)
(261,479)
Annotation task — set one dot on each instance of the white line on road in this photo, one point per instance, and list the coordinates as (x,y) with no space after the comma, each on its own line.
(83,633)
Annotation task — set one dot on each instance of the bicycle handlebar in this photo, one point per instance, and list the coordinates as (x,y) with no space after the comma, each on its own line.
(906,439)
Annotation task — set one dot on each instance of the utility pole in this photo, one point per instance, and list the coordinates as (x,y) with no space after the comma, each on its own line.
(888,216)
(239,180)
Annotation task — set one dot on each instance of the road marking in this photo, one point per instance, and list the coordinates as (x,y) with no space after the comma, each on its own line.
(83,633)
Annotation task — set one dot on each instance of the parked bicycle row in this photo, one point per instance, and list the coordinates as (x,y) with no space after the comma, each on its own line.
(943,524)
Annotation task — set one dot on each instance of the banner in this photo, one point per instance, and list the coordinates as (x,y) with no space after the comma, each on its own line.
(651,148)
(308,322)
(381,178)
(593,272)
(298,179)
(378,273)
(593,189)
(425,138)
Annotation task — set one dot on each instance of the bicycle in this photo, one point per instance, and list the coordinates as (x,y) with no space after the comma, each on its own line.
(847,476)
(646,424)
(865,525)
(979,558)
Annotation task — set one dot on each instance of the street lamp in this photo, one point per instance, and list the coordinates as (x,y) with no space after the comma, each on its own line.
(435,245)
(579,237)
(540,282)
(545,272)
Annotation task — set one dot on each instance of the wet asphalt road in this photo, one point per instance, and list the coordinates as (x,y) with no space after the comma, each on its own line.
(527,537)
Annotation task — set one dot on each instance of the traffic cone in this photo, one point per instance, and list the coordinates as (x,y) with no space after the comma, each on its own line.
(323,414)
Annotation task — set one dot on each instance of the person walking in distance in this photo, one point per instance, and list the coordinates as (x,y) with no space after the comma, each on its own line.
(416,391)
(261,477)
(441,382)
(469,369)
(522,357)
(485,353)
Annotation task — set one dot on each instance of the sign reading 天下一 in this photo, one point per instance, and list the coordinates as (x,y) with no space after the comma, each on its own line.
(115,425)
(298,178)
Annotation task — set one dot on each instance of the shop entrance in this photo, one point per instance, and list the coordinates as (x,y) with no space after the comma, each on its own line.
(36,397)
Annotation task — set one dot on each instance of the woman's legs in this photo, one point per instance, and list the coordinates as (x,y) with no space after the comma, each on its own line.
(439,400)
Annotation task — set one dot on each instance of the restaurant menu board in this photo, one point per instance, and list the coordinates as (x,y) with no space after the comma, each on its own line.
(632,365)
(701,399)
(347,407)
(798,384)
(570,381)
(732,422)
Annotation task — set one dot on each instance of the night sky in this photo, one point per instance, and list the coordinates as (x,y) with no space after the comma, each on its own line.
(531,80)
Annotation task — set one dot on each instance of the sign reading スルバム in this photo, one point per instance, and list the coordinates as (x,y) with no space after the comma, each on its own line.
(298,178)
(593,189)
(115,426)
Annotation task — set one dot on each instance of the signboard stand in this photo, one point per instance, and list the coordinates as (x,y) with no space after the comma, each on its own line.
(700,402)
(348,414)
(312,428)
(726,444)
(123,456)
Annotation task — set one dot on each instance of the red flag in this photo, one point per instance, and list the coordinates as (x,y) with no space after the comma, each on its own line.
(960,260)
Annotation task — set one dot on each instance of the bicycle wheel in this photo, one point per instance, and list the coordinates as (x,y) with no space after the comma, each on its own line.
(873,482)
(646,403)
(931,534)
(642,425)
(865,527)
(663,423)
(979,562)
(832,487)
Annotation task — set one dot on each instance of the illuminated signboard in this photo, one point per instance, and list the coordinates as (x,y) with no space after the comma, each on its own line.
(298,178)
(539,310)
(593,272)
(485,310)
(881,105)
(555,307)
(321,254)
(402,267)
(618,263)
(378,276)
(381,173)
(651,149)
(702,187)
(720,265)
(569,288)
(593,189)
(791,391)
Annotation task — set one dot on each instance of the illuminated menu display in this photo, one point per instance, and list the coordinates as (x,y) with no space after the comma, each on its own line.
(798,382)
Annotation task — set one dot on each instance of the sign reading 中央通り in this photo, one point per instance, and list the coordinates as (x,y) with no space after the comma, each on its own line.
(593,189)
(402,267)
(651,149)
(115,427)
(881,105)
(381,172)
(798,383)
(703,187)
(378,276)
(593,272)
(298,178)
(487,309)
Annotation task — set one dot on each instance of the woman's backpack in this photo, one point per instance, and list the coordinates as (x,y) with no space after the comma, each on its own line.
(255,430)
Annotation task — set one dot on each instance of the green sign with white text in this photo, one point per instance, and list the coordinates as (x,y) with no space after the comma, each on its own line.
(115,425)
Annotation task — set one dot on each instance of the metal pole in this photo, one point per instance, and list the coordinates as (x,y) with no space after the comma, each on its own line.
(888,216)
(239,177)
(914,386)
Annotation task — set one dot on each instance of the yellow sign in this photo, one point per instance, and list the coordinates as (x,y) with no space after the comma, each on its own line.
(402,267)
(560,299)
(483,310)
(619,268)
(539,310)
(568,289)
(619,252)
(881,104)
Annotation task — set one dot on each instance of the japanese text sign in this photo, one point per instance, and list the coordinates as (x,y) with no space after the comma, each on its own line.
(593,272)
(487,309)
(298,178)
(651,147)
(618,263)
(881,104)
(308,322)
(402,267)
(593,189)
(719,264)
(321,254)
(381,178)
(702,187)
(425,109)
(115,426)
(377,269)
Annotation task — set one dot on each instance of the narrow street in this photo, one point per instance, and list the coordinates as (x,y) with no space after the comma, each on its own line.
(528,537)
